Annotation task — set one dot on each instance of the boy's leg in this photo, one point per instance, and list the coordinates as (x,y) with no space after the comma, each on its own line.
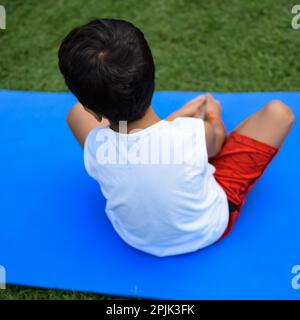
(248,151)
(270,125)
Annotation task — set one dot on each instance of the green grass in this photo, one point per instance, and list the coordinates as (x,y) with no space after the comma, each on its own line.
(23,293)
(198,45)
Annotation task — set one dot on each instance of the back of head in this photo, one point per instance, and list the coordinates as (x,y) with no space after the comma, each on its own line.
(108,66)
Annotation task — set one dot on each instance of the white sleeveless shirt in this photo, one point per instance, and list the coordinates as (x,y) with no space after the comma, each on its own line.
(162,197)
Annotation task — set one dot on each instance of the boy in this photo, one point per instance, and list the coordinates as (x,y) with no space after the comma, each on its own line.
(163,203)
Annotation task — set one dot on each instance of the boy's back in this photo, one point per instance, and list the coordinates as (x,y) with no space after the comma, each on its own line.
(161,195)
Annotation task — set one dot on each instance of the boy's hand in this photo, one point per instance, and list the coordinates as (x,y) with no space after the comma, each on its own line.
(194,108)
(212,108)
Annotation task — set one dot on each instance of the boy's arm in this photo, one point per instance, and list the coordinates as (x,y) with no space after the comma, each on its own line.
(82,122)
(215,136)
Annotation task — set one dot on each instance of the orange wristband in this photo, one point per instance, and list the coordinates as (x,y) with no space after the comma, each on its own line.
(211,116)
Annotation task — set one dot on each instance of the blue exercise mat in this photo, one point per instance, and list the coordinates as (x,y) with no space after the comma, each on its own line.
(54,232)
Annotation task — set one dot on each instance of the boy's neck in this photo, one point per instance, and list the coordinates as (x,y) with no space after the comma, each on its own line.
(146,121)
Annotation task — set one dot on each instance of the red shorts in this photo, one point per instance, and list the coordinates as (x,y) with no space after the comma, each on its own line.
(241,161)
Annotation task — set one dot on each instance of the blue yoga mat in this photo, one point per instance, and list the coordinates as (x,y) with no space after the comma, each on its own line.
(54,232)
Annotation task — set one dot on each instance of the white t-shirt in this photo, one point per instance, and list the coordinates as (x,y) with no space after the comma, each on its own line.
(162,197)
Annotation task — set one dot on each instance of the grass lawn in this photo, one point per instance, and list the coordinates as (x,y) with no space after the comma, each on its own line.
(198,45)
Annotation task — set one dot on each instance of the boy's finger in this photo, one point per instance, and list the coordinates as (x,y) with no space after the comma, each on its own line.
(199,99)
(202,100)
(209,97)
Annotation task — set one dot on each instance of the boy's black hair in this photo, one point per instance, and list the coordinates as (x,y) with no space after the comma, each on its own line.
(108,66)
